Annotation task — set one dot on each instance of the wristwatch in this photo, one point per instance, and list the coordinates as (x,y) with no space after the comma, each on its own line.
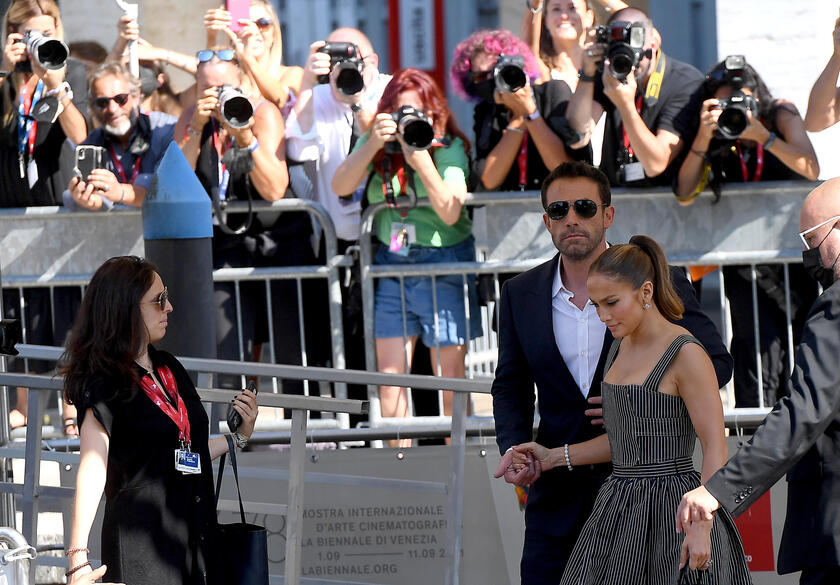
(534,11)
(770,140)
(533,115)
(584,77)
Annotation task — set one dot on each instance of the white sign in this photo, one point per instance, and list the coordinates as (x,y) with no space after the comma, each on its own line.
(417,34)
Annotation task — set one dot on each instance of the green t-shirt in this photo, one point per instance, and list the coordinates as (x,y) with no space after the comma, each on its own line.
(452,164)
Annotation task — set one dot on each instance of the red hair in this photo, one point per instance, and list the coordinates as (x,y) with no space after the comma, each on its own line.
(433,102)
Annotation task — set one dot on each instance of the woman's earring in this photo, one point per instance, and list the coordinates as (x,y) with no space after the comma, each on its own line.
(647,306)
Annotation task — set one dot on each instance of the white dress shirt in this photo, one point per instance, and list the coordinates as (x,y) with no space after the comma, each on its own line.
(579,334)
(328,144)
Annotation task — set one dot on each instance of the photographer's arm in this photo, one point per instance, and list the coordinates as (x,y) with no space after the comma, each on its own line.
(71,119)
(530,30)
(270,176)
(90,483)
(354,169)
(316,64)
(583,111)
(824,101)
(694,164)
(499,160)
(446,196)
(795,149)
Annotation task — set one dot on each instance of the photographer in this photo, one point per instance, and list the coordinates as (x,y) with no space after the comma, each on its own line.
(519,134)
(413,110)
(644,94)
(327,119)
(221,150)
(135,142)
(745,135)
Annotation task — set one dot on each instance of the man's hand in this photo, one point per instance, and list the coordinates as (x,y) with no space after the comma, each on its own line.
(317,64)
(128,29)
(522,476)
(597,413)
(698,505)
(520,103)
(242,136)
(205,107)
(105,184)
(82,193)
(621,93)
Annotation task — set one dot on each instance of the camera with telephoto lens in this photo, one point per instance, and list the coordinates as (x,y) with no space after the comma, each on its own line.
(10,335)
(733,119)
(625,42)
(509,73)
(235,107)
(414,127)
(345,57)
(49,52)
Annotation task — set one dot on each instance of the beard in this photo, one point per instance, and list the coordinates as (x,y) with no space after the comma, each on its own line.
(123,127)
(579,249)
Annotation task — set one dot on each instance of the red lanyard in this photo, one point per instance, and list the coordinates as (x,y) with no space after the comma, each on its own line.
(627,146)
(119,167)
(388,188)
(153,391)
(522,161)
(759,163)
(33,129)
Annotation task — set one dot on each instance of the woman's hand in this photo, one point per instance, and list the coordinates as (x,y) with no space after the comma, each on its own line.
(14,52)
(540,454)
(90,577)
(697,546)
(216,19)
(755,130)
(245,404)
(593,54)
(709,114)
(384,130)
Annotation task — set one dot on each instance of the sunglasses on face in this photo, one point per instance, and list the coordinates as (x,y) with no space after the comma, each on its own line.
(222,54)
(585,208)
(102,102)
(161,300)
(263,22)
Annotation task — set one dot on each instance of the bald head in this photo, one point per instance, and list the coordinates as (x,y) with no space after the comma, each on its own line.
(351,35)
(821,204)
(632,15)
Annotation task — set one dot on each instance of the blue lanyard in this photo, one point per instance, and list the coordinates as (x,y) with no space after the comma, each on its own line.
(24,122)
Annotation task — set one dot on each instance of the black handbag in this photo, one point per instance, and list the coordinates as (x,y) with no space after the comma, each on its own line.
(689,577)
(243,547)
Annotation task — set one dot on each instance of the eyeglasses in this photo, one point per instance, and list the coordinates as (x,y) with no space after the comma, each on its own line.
(222,54)
(263,22)
(102,102)
(585,208)
(802,235)
(161,300)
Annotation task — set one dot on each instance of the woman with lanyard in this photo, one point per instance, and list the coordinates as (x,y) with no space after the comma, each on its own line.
(770,144)
(440,232)
(138,407)
(29,168)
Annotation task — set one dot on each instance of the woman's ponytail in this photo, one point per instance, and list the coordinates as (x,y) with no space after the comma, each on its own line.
(664,294)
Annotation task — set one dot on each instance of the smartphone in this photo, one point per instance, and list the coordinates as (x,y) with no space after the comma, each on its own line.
(88,158)
(234,419)
(239,9)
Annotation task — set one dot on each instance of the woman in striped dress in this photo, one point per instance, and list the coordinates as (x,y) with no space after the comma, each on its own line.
(660,393)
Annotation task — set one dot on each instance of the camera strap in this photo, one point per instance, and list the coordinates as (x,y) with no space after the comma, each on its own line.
(759,163)
(627,148)
(522,162)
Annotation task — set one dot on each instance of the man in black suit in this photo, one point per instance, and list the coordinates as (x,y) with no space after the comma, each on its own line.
(801,435)
(550,335)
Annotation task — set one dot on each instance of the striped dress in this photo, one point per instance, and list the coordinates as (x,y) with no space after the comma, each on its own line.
(630,538)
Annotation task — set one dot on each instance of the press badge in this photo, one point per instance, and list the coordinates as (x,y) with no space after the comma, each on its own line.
(631,172)
(32,172)
(187,462)
(402,236)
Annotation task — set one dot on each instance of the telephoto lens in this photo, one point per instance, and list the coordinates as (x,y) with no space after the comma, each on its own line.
(414,127)
(50,53)
(509,73)
(236,108)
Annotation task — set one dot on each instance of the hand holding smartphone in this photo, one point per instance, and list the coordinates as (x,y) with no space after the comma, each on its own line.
(239,10)
(234,419)
(88,157)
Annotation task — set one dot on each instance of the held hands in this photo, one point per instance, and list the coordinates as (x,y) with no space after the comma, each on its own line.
(520,103)
(523,473)
(698,505)
(245,404)
(697,546)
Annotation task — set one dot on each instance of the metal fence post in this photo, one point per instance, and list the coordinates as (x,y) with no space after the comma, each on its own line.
(7,501)
(294,514)
(32,473)
(456,487)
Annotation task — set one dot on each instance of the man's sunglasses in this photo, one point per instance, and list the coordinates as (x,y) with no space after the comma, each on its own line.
(585,208)
(102,102)
(222,54)
(162,299)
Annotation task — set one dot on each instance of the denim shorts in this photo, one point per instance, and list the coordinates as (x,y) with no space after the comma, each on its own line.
(419,301)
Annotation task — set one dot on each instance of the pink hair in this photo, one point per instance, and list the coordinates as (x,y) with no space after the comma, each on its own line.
(493,43)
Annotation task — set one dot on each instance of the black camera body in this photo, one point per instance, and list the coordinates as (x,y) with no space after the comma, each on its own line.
(49,52)
(345,57)
(11,334)
(235,107)
(509,73)
(625,43)
(733,120)
(415,129)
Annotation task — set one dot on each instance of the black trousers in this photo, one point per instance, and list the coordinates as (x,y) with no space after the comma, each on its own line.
(820,576)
